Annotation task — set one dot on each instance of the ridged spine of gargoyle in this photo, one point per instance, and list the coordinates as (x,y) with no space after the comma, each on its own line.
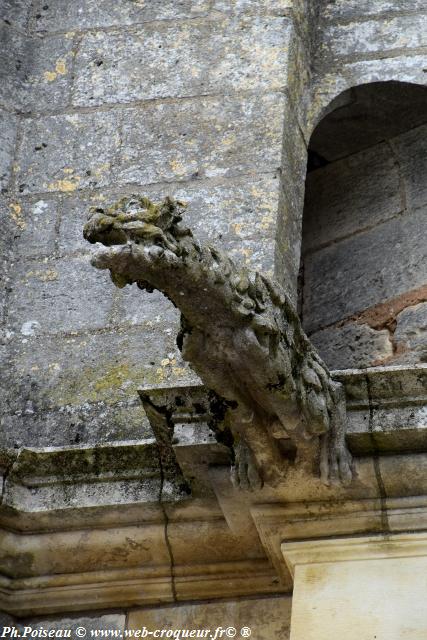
(240,334)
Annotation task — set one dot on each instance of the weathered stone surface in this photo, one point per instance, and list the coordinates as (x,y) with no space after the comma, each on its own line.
(113,622)
(365,270)
(410,335)
(34,225)
(48,297)
(108,367)
(401,32)
(352,346)
(354,9)
(67,152)
(63,15)
(35,74)
(89,423)
(404,475)
(7,145)
(215,56)
(48,73)
(386,431)
(13,52)
(207,136)
(411,150)
(15,12)
(267,618)
(351,194)
(252,6)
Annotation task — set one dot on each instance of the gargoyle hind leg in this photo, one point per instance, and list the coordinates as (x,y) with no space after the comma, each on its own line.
(335,458)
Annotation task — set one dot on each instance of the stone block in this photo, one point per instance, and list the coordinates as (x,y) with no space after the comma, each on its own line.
(89,423)
(13,53)
(372,36)
(48,73)
(15,12)
(411,150)
(67,152)
(104,367)
(205,137)
(34,226)
(352,346)
(365,270)
(267,618)
(275,7)
(78,15)
(410,335)
(404,475)
(61,295)
(7,146)
(350,195)
(182,59)
(361,587)
(159,142)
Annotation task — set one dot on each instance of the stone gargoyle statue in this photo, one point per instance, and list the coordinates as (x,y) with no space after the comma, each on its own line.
(239,333)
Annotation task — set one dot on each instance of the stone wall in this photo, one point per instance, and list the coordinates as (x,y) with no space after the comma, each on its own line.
(364,255)
(120,97)
(364,258)
(102,99)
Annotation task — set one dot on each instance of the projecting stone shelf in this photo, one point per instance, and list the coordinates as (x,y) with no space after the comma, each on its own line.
(386,410)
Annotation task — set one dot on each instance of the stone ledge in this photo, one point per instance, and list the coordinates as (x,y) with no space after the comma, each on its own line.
(354,549)
(126,588)
(67,512)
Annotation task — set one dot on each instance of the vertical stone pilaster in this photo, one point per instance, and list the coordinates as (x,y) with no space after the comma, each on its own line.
(365,587)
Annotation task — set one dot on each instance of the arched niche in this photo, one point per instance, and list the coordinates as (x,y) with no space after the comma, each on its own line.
(363,276)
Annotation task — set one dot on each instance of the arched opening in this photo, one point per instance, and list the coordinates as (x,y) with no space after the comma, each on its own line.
(363,276)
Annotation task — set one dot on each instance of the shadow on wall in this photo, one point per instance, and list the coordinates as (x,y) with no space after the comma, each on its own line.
(363,276)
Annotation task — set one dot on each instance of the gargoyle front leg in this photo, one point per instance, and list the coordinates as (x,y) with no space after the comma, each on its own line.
(244,472)
(335,458)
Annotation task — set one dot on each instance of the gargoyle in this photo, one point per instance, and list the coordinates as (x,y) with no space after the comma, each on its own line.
(241,335)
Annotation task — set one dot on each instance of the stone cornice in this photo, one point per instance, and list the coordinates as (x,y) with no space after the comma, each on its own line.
(107,526)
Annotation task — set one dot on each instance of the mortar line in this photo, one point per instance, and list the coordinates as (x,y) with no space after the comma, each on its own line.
(147,102)
(335,61)
(385,525)
(127,187)
(166,527)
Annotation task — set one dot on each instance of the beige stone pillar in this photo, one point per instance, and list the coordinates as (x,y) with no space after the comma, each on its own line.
(364,588)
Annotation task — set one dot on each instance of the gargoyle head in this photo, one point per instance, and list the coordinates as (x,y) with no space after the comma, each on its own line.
(137,219)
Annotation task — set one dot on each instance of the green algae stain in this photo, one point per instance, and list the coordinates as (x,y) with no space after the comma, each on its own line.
(108,384)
